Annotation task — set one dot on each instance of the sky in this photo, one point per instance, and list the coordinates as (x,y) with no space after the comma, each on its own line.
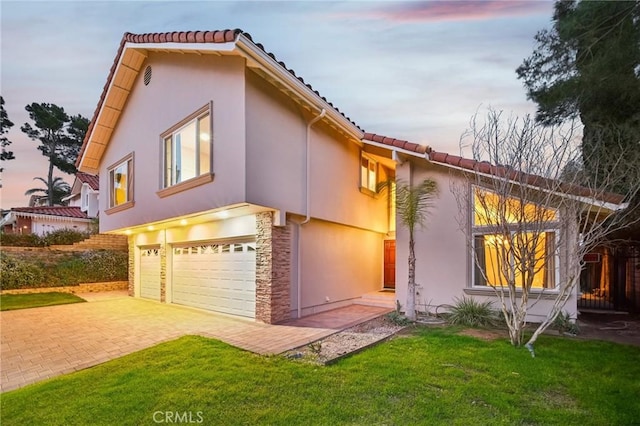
(414,70)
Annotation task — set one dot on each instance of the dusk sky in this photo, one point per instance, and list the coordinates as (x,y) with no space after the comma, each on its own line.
(409,70)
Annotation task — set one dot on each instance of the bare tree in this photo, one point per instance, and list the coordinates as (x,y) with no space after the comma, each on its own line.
(537,212)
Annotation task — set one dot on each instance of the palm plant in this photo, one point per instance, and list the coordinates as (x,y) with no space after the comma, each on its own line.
(59,190)
(413,203)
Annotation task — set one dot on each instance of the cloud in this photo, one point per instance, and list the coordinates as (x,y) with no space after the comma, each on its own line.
(462,10)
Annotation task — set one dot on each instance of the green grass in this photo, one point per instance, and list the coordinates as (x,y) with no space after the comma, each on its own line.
(9,302)
(432,377)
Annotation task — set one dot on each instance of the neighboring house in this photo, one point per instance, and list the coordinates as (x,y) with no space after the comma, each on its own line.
(244,191)
(84,193)
(43,220)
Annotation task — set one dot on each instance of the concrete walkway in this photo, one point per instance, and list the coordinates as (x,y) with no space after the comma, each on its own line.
(45,342)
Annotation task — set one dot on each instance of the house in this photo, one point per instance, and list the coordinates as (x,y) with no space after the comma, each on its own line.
(244,191)
(42,220)
(84,194)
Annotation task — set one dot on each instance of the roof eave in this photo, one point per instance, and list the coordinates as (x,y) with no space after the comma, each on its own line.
(611,207)
(246,47)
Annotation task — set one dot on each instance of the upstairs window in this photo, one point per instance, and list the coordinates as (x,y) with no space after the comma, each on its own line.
(368,173)
(187,148)
(121,182)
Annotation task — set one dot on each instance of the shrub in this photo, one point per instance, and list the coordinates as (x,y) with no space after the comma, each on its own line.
(17,273)
(69,269)
(471,313)
(565,324)
(21,240)
(64,237)
(397,318)
(59,237)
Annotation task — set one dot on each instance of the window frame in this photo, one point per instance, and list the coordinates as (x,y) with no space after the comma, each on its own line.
(365,188)
(551,226)
(128,161)
(172,187)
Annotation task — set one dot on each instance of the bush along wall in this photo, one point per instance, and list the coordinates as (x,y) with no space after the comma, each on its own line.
(56,268)
(59,237)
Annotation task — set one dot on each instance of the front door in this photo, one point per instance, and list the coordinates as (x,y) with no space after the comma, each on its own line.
(390,264)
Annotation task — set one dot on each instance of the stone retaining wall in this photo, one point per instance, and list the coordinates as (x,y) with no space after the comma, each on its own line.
(81,288)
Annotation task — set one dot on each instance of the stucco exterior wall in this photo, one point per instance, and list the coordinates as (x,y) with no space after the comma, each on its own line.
(276,163)
(180,85)
(443,265)
(338,264)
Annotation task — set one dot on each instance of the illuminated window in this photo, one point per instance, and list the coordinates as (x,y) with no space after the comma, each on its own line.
(187,148)
(121,182)
(368,173)
(514,241)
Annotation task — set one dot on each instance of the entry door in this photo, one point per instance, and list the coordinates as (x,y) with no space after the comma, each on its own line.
(390,264)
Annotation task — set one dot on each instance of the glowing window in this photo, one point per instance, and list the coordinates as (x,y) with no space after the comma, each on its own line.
(514,242)
(121,182)
(368,173)
(187,148)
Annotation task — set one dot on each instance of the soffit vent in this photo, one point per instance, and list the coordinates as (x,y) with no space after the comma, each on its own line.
(147,75)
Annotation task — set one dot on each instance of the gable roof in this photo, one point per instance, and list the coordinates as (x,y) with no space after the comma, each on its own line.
(133,51)
(92,180)
(58,211)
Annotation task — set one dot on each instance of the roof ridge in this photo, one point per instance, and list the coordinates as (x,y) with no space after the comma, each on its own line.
(211,36)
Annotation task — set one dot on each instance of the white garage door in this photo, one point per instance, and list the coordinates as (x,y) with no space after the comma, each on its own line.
(219,276)
(150,273)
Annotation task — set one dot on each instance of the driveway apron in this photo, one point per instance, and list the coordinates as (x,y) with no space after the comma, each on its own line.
(46,342)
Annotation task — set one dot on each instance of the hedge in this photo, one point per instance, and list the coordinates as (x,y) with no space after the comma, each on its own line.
(59,237)
(69,268)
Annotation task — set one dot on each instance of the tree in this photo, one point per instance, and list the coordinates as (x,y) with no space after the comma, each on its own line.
(5,125)
(60,136)
(61,189)
(535,216)
(588,66)
(412,208)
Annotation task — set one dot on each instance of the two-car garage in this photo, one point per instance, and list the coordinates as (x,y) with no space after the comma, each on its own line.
(213,275)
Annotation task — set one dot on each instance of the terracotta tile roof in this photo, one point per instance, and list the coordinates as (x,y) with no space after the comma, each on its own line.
(72,212)
(92,180)
(525,178)
(217,36)
(490,169)
(397,143)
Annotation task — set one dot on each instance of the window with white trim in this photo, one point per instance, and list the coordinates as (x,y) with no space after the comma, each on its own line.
(187,148)
(121,182)
(368,173)
(513,241)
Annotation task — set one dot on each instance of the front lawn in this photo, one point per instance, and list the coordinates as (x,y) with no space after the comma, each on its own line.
(9,302)
(432,377)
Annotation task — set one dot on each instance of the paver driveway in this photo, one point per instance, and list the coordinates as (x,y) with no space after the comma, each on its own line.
(45,342)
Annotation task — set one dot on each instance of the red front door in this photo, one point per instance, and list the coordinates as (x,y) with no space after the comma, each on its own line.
(389,264)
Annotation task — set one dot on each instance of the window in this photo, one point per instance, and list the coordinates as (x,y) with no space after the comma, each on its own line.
(513,241)
(187,148)
(121,183)
(368,173)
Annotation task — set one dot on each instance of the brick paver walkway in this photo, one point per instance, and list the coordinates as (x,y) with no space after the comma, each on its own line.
(45,342)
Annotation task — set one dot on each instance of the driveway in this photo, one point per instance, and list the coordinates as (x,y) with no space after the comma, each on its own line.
(45,342)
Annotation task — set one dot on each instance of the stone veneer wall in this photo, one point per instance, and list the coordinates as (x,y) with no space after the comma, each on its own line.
(132,263)
(273,266)
(163,271)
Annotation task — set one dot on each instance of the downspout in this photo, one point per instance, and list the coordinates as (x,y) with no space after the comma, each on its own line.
(308,210)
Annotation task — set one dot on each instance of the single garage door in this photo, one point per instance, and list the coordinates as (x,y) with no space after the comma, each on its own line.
(150,272)
(219,276)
